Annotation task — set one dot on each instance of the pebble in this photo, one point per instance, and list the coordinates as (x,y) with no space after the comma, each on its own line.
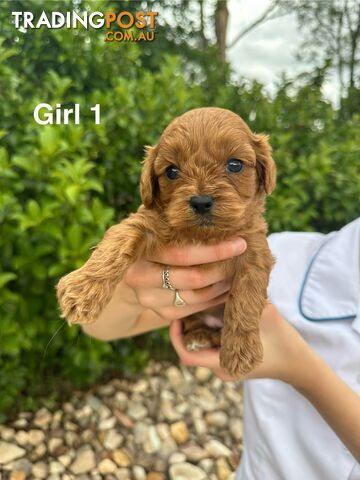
(155,476)
(93,402)
(153,444)
(107,424)
(10,452)
(206,464)
(56,467)
(120,474)
(194,453)
(236,429)
(53,444)
(150,429)
(177,457)
(202,374)
(141,386)
(176,380)
(21,423)
(36,436)
(222,469)
(217,449)
(106,390)
(22,438)
(17,475)
(7,433)
(106,466)
(179,432)
(186,471)
(137,411)
(217,419)
(121,400)
(22,465)
(139,472)
(42,418)
(121,458)
(113,440)
(84,461)
(40,470)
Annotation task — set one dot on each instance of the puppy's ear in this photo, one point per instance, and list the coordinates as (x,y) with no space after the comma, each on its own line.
(265,165)
(148,180)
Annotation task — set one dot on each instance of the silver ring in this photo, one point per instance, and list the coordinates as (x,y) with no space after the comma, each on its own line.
(166,279)
(178,301)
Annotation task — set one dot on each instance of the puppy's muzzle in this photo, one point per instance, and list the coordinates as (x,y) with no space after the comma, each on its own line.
(201,204)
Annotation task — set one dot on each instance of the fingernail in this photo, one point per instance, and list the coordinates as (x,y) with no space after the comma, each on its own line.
(239,246)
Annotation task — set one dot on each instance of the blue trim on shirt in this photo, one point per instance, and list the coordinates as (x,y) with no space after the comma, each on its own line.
(348,317)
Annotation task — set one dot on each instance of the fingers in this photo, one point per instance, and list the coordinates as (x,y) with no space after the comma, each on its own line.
(205,358)
(145,274)
(208,358)
(171,312)
(199,254)
(161,297)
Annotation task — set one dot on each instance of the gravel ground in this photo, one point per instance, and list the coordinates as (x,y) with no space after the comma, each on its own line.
(174,423)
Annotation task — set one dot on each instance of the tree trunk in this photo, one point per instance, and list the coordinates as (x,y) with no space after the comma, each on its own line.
(203,39)
(221,24)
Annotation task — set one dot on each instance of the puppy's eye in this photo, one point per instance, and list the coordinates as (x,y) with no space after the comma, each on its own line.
(172,172)
(233,165)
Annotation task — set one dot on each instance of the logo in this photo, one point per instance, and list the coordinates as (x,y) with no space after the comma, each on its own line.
(135,27)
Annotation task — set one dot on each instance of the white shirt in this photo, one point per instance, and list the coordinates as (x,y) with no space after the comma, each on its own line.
(315,284)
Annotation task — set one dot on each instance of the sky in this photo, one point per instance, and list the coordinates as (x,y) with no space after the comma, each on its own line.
(269,49)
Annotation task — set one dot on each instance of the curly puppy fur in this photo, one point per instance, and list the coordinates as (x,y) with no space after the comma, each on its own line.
(199,143)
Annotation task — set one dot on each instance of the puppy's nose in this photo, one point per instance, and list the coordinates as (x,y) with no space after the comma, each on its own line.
(201,204)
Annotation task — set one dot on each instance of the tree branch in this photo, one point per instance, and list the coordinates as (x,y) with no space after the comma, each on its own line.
(266,16)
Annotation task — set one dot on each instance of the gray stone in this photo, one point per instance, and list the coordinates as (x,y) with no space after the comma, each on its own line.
(137,411)
(93,402)
(22,465)
(106,390)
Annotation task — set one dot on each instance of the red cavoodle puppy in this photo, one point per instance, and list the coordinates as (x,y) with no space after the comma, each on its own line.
(205,181)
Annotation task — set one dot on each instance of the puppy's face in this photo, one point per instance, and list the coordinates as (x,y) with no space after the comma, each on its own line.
(207,170)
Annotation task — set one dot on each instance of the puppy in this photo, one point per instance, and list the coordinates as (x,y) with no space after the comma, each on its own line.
(205,181)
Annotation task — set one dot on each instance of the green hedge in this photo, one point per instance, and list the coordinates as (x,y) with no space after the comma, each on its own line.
(62,186)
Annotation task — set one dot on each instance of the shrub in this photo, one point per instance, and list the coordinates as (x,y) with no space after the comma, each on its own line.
(62,186)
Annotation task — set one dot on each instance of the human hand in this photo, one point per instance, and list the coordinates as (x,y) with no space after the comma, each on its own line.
(200,289)
(286,354)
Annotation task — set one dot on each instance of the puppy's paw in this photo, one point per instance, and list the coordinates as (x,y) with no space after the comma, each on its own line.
(202,338)
(239,354)
(81,300)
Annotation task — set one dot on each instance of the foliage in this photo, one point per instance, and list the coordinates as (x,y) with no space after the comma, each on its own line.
(61,186)
(331,30)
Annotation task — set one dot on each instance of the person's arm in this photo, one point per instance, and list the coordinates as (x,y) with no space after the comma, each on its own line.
(287,357)
(338,404)
(124,317)
(140,304)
